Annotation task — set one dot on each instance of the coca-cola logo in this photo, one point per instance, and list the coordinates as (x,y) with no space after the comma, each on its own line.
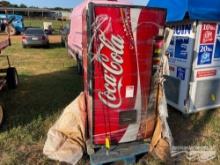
(112,69)
(112,66)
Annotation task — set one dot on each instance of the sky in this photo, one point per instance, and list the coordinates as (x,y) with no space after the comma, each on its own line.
(59,3)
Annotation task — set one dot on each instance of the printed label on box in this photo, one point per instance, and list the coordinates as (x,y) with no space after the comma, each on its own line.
(181,47)
(206,73)
(205,54)
(208,33)
(182,30)
(129,92)
(181,72)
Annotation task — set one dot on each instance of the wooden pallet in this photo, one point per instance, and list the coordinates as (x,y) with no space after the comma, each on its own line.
(123,152)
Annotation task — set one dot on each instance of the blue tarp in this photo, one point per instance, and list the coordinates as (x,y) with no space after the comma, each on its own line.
(196,9)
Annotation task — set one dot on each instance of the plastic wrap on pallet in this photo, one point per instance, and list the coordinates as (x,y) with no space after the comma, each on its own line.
(118,71)
(163,114)
(66,138)
(161,141)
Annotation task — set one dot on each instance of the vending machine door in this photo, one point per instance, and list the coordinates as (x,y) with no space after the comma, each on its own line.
(120,49)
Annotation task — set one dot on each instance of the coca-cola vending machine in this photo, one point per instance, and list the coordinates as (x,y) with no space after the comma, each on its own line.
(118,43)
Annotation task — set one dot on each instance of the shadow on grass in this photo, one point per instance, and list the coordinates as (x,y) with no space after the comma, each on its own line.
(39,96)
(51,46)
(196,131)
(56,45)
(189,130)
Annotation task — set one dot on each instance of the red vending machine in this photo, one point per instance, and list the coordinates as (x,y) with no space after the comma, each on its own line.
(118,45)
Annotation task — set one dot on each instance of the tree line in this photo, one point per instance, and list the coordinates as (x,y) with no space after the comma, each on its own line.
(8,4)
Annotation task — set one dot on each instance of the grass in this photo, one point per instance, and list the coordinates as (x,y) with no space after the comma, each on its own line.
(201,129)
(47,84)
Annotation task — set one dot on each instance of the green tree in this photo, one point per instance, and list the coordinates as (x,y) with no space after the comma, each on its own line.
(23,6)
(5,4)
(14,5)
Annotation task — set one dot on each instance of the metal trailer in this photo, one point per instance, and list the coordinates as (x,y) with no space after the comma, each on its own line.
(194,81)
(8,75)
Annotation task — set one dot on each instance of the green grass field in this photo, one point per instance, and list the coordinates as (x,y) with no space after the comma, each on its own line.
(48,82)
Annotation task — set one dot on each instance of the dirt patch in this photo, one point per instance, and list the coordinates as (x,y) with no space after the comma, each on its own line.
(55,38)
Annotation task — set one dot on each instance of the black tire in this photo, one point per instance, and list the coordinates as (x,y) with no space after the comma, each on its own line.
(1,114)
(65,44)
(62,42)
(47,45)
(79,67)
(12,78)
